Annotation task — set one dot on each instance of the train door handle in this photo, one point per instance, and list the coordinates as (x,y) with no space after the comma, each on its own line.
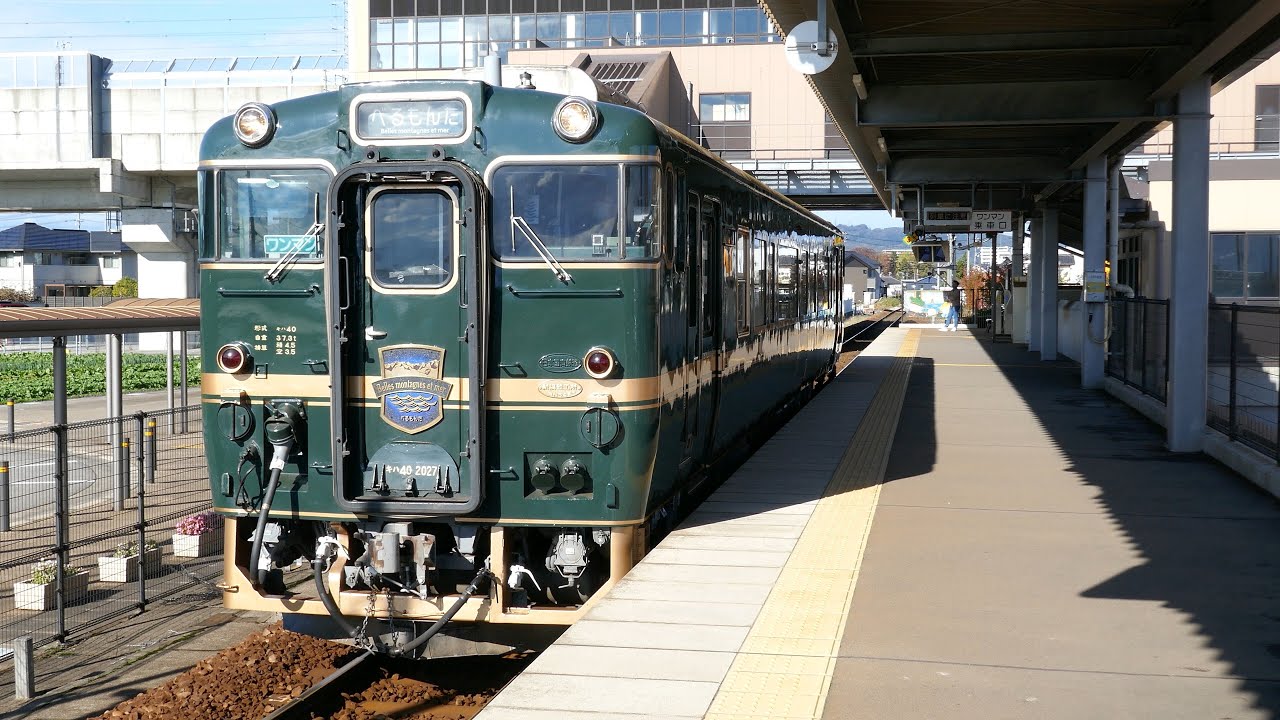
(373,333)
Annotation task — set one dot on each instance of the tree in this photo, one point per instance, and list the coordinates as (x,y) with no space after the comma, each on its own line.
(123,288)
(903,265)
(14,295)
(962,265)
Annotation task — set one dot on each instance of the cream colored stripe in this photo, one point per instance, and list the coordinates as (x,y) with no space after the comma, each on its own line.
(644,390)
(785,665)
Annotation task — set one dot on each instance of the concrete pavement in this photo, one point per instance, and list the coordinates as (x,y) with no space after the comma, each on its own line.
(1037,553)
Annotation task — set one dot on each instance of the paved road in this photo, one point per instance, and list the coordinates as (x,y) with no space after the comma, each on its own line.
(40,414)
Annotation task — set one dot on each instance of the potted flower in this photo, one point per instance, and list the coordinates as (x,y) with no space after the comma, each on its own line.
(197,534)
(40,592)
(122,565)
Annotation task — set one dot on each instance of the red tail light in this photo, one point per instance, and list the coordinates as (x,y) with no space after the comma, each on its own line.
(234,357)
(599,363)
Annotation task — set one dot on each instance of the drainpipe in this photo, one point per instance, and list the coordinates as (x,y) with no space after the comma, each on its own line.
(1114,232)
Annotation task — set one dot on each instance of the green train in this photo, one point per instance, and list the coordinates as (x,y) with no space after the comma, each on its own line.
(471,350)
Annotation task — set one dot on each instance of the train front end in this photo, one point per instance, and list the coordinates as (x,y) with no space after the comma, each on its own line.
(429,375)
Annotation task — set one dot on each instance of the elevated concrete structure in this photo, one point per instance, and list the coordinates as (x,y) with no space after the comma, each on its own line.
(81,133)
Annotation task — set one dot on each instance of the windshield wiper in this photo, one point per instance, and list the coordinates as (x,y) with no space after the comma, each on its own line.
(519,223)
(277,270)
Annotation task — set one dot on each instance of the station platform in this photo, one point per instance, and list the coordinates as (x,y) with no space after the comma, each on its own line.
(950,529)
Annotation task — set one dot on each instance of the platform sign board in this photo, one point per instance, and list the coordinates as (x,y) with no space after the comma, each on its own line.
(996,221)
(946,217)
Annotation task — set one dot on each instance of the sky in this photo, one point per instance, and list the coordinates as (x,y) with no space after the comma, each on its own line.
(160,29)
(164,29)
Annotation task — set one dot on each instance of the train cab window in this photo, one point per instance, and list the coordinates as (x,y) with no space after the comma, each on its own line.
(643,239)
(270,213)
(577,212)
(411,238)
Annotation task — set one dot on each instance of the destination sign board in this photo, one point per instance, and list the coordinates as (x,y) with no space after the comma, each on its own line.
(991,220)
(411,119)
(277,245)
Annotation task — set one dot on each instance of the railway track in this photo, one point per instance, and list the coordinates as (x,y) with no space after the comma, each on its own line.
(864,332)
(372,685)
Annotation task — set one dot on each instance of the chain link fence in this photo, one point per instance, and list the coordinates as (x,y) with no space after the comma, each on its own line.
(87,521)
(1244,375)
(1138,349)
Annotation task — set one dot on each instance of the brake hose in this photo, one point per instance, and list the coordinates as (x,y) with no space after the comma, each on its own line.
(431,632)
(278,454)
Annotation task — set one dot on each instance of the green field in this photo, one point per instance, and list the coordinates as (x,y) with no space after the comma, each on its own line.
(25,377)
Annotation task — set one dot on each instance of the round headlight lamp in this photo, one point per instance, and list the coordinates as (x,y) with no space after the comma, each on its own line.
(575,119)
(254,124)
(234,357)
(599,362)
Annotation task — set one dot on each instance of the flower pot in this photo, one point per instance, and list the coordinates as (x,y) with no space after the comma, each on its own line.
(32,596)
(125,569)
(194,546)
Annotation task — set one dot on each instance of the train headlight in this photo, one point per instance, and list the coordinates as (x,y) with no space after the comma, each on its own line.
(599,362)
(575,119)
(254,124)
(234,357)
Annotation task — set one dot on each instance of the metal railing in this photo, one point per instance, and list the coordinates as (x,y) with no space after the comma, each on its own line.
(75,510)
(1244,375)
(1138,346)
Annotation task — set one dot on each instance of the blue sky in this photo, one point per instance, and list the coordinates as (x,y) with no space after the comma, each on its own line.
(163,29)
(142,29)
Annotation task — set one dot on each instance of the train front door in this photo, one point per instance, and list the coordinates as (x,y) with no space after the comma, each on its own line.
(709,325)
(411,343)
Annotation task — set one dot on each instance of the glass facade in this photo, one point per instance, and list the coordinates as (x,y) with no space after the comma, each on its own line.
(440,34)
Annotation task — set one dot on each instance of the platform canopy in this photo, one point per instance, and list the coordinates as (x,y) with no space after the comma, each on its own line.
(1000,103)
(129,315)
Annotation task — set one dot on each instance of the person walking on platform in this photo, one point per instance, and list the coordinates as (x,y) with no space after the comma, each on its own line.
(953,312)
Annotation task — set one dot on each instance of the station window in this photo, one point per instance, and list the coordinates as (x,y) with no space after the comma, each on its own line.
(725,122)
(1266,118)
(452,34)
(1246,266)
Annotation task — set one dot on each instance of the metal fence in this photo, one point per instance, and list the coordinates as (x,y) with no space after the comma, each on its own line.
(76,505)
(1138,348)
(1244,375)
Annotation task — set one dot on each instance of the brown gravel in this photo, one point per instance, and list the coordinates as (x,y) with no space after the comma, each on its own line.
(244,682)
(444,689)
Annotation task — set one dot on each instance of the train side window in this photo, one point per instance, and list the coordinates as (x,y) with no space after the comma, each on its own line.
(771,282)
(787,283)
(411,236)
(671,233)
(759,280)
(802,292)
(693,277)
(643,238)
(709,241)
(741,252)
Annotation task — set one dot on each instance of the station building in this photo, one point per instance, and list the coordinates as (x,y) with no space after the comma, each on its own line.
(713,69)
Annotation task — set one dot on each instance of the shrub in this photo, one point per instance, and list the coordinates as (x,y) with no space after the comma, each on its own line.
(129,549)
(198,524)
(888,303)
(46,571)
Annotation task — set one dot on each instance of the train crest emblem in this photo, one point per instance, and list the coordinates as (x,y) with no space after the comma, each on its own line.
(411,391)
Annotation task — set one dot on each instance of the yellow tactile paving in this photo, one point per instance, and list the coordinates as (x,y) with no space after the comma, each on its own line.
(785,665)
